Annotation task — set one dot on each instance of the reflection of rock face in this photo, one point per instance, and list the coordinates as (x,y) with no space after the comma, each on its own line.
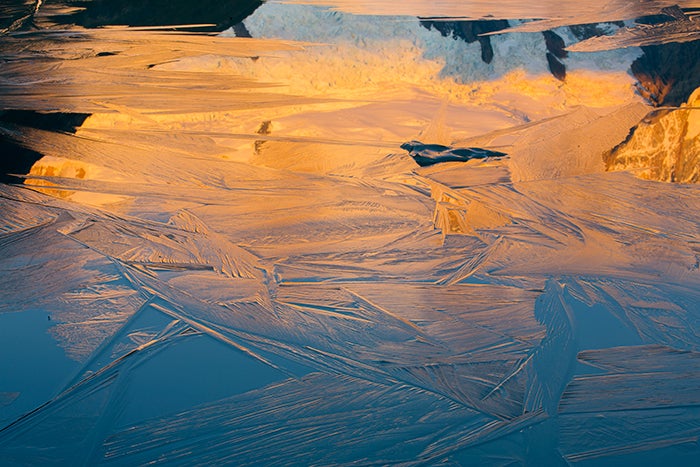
(469,31)
(668,73)
(666,146)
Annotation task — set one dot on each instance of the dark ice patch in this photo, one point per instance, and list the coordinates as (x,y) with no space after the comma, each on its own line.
(15,159)
(49,121)
(429,154)
(96,13)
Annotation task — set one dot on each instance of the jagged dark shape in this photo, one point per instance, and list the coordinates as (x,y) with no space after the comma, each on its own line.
(429,154)
(54,121)
(223,14)
(555,44)
(469,32)
(556,52)
(17,159)
(586,31)
(666,15)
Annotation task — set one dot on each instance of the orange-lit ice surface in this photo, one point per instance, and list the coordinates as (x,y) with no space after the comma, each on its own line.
(232,261)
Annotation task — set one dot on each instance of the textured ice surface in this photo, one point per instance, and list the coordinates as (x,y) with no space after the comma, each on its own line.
(604,10)
(229,263)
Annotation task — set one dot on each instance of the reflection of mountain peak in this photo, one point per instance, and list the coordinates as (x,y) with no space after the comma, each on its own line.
(667,72)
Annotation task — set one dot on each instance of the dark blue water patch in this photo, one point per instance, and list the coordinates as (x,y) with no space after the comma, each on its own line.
(685,453)
(597,328)
(31,363)
(147,322)
(189,371)
(534,444)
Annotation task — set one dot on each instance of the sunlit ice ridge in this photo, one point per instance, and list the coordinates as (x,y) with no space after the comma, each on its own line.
(349,233)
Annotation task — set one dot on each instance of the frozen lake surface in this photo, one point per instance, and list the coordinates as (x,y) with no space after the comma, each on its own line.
(229,259)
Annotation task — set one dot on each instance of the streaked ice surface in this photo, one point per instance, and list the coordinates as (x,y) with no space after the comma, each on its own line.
(543,16)
(581,12)
(233,262)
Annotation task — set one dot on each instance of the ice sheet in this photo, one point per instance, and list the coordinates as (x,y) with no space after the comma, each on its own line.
(255,273)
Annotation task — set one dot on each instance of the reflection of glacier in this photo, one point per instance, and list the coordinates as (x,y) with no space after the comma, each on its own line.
(246,276)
